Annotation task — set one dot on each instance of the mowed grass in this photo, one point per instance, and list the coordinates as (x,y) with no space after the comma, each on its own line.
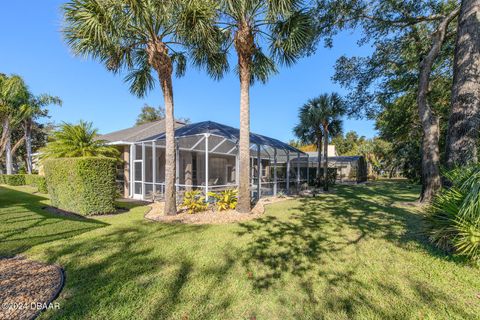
(352,254)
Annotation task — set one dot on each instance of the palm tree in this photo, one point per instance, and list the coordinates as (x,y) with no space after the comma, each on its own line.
(13,93)
(141,35)
(77,140)
(286,27)
(35,108)
(319,119)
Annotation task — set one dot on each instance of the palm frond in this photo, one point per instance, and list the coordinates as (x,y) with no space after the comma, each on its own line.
(292,37)
(140,79)
(77,140)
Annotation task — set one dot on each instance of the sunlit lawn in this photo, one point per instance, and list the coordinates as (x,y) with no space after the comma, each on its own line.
(349,254)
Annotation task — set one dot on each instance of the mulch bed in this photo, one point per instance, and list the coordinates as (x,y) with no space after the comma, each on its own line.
(28,287)
(210,216)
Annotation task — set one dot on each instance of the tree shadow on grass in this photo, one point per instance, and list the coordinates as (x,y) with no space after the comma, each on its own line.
(123,274)
(319,242)
(24,223)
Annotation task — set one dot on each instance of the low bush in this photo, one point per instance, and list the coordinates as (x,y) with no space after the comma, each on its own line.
(225,200)
(194,201)
(82,185)
(453,220)
(13,179)
(37,181)
(331,175)
(33,180)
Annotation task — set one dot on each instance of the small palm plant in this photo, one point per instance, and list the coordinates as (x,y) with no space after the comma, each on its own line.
(453,220)
(77,140)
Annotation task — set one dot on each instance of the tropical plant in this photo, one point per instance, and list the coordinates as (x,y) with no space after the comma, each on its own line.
(320,118)
(13,94)
(453,219)
(287,28)
(141,36)
(29,112)
(194,201)
(77,140)
(225,200)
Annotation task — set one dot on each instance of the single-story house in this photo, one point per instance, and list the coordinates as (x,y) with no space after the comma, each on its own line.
(350,169)
(207,159)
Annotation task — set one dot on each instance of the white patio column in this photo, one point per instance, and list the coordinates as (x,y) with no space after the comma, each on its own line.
(177,165)
(131,168)
(288,171)
(206,165)
(298,171)
(252,175)
(308,170)
(259,172)
(154,167)
(237,166)
(275,171)
(143,170)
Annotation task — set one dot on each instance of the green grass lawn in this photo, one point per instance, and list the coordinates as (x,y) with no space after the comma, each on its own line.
(350,254)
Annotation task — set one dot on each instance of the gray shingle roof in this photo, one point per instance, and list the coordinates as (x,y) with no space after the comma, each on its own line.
(138,133)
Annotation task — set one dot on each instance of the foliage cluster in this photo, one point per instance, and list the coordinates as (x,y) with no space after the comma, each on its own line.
(453,220)
(225,200)
(82,185)
(77,140)
(320,182)
(194,201)
(33,180)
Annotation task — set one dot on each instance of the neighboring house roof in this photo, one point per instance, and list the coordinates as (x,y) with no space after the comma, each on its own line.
(225,131)
(332,151)
(137,133)
(331,159)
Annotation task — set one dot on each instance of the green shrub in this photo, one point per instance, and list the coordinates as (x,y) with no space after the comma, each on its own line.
(37,181)
(82,185)
(331,174)
(193,202)
(13,179)
(225,200)
(33,180)
(453,220)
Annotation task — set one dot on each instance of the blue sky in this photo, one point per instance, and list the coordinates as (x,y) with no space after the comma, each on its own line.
(32,47)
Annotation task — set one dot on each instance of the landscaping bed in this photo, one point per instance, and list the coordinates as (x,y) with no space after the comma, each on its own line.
(211,216)
(27,287)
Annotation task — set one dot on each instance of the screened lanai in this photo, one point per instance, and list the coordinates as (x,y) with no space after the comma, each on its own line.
(207,160)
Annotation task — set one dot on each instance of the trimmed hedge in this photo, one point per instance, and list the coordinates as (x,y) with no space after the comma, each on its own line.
(13,179)
(82,185)
(33,180)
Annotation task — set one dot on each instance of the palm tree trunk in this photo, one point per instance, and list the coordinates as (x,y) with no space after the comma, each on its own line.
(161,62)
(28,144)
(325,154)
(319,156)
(8,145)
(244,143)
(244,47)
(430,123)
(464,121)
